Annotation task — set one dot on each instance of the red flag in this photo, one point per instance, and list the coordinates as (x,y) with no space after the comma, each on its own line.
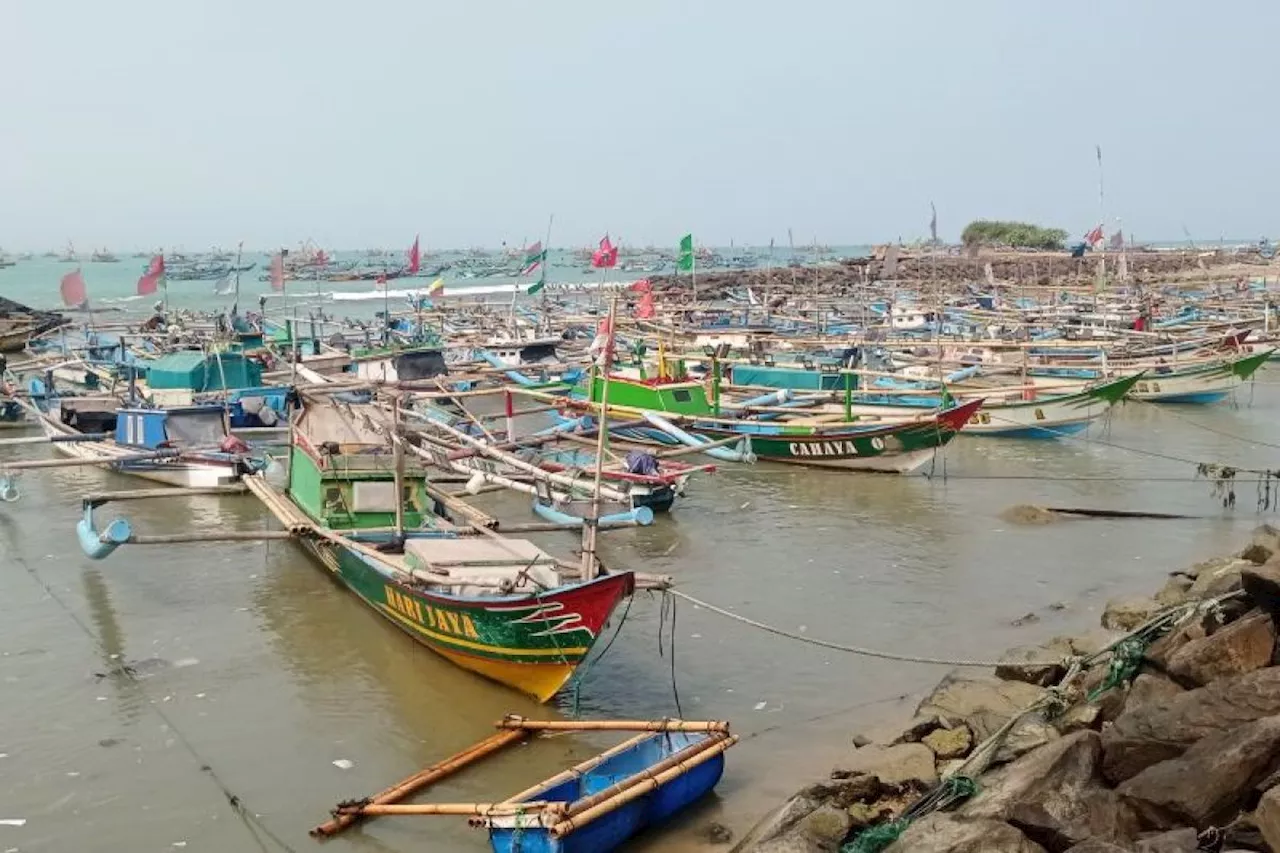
(606,257)
(1094,237)
(645,309)
(73,290)
(277,271)
(641,286)
(151,278)
(415,259)
(381,282)
(601,348)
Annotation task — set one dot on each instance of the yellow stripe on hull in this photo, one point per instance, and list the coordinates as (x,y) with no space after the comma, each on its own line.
(539,680)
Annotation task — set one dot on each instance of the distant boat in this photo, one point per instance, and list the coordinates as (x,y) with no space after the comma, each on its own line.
(102,256)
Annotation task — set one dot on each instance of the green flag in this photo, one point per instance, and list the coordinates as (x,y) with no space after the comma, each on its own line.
(684,262)
(539,284)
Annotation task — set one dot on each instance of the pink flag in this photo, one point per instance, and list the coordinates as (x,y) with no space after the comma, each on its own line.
(641,286)
(645,309)
(380,282)
(151,278)
(415,259)
(73,290)
(601,348)
(322,260)
(606,257)
(1094,237)
(277,271)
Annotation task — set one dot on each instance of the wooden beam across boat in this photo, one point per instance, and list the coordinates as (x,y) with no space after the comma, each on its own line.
(175,492)
(514,721)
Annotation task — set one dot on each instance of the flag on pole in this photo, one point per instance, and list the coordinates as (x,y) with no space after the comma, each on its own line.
(151,278)
(1094,237)
(605,257)
(539,284)
(436,288)
(1098,148)
(645,309)
(380,282)
(534,257)
(933,223)
(601,349)
(684,262)
(73,290)
(223,286)
(277,271)
(415,259)
(641,286)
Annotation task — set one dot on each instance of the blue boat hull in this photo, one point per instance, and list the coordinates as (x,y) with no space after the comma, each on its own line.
(611,830)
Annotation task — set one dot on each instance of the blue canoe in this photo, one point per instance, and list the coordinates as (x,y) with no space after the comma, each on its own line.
(608,799)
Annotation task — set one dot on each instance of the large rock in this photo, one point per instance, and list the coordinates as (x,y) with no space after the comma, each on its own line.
(1267,817)
(1125,614)
(1031,732)
(1262,586)
(1242,646)
(1093,845)
(1265,538)
(1155,732)
(950,743)
(1176,841)
(903,764)
(1209,783)
(782,832)
(983,702)
(1150,689)
(946,833)
(1175,590)
(1055,796)
(1219,580)
(1159,653)
(1040,665)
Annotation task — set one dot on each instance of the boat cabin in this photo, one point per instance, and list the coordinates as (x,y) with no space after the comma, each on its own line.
(188,426)
(678,397)
(399,365)
(342,469)
(519,353)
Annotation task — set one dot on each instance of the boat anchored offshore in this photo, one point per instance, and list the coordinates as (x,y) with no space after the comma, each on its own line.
(593,807)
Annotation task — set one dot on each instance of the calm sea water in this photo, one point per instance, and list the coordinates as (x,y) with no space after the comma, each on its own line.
(267,672)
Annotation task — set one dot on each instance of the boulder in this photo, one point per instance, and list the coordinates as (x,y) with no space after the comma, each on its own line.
(1149,688)
(1242,646)
(1125,614)
(1159,652)
(983,702)
(1262,586)
(1055,796)
(825,827)
(1157,731)
(781,833)
(903,764)
(946,833)
(1175,590)
(1031,732)
(1267,817)
(1209,783)
(1078,718)
(1177,841)
(1092,642)
(1265,538)
(842,791)
(1093,845)
(1256,554)
(919,727)
(1219,580)
(1028,663)
(950,743)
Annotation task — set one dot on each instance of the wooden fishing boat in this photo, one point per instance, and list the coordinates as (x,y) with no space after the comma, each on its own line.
(495,606)
(816,440)
(1198,385)
(593,807)
(186,446)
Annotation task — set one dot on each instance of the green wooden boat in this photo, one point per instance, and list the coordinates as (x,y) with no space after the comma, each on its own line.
(493,605)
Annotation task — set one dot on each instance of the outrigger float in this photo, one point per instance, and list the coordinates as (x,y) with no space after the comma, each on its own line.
(593,807)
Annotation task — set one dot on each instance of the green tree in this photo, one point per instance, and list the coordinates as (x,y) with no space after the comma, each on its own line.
(1019,235)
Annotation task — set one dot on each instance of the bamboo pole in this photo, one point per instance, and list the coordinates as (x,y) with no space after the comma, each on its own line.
(100,460)
(175,492)
(641,788)
(213,536)
(514,721)
(463,809)
(578,769)
(461,507)
(675,759)
(424,779)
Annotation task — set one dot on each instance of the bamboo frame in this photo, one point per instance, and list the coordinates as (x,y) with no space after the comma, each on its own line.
(516,722)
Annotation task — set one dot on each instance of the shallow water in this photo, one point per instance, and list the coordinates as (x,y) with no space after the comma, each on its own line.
(267,672)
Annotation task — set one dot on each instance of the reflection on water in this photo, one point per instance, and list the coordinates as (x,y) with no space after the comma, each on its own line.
(292,673)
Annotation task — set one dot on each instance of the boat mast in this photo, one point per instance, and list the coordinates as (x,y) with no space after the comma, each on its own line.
(592,521)
(397,449)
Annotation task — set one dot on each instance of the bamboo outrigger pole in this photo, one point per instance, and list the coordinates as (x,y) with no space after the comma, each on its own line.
(589,529)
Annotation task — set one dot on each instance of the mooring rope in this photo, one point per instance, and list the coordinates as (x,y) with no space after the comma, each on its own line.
(857,650)
(1166,410)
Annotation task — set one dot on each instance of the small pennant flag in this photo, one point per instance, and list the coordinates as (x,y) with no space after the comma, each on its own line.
(436,288)
(539,284)
(684,262)
(933,223)
(601,349)
(645,309)
(1094,237)
(605,257)
(151,278)
(641,286)
(534,257)
(277,271)
(73,290)
(415,257)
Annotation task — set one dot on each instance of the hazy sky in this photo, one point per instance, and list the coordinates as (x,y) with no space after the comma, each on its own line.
(195,122)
